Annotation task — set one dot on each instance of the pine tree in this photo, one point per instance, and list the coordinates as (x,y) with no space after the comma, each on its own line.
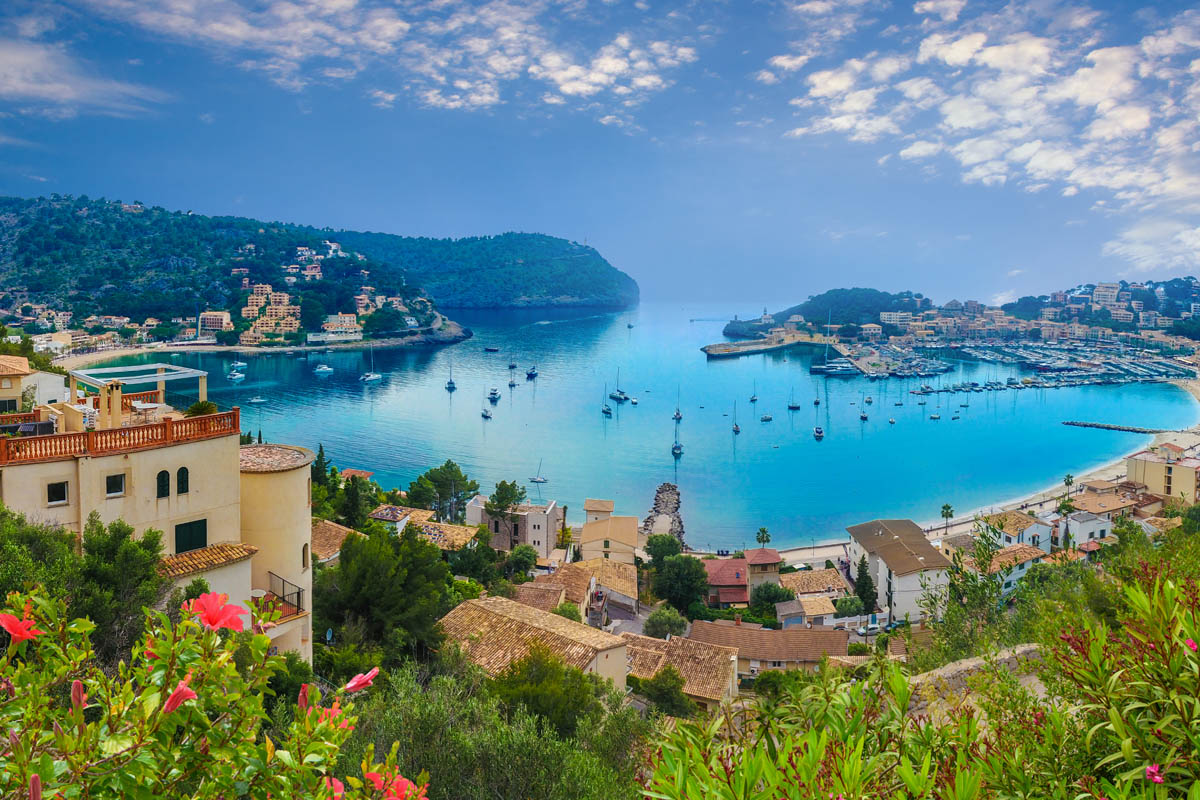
(864,587)
(320,468)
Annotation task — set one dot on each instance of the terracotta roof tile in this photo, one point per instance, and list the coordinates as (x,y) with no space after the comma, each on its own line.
(495,631)
(203,559)
(327,538)
(1011,522)
(544,596)
(816,606)
(274,457)
(708,670)
(388,513)
(617,529)
(806,645)
(763,555)
(356,473)
(577,577)
(814,581)
(14,365)
(598,505)
(726,571)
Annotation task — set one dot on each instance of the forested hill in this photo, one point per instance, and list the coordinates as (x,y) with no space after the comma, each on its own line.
(837,306)
(94,256)
(506,271)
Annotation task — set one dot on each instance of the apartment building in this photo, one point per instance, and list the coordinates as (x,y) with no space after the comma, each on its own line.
(1166,471)
(899,559)
(239,517)
(536,525)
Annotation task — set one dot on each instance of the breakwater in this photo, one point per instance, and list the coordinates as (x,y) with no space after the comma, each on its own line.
(664,513)
(1107,427)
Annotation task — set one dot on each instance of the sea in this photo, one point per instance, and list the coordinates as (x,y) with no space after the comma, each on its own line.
(775,474)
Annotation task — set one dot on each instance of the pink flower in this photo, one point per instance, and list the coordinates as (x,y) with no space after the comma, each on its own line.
(336,787)
(19,629)
(302,700)
(335,714)
(398,788)
(1191,643)
(35,787)
(1154,774)
(78,695)
(362,680)
(180,696)
(215,611)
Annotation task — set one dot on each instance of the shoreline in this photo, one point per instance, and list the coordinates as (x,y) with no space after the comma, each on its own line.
(1188,438)
(456,333)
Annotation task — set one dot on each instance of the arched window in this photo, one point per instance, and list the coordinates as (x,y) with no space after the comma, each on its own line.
(181,481)
(164,484)
(304,556)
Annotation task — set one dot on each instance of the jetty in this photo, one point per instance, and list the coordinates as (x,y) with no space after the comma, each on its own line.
(776,339)
(664,513)
(1107,427)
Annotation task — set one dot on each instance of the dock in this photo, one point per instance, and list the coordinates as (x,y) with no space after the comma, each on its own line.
(1107,427)
(777,339)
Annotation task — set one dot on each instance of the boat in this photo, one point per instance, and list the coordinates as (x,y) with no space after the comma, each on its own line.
(450,385)
(512,364)
(616,394)
(633,401)
(256,399)
(323,369)
(493,396)
(512,384)
(491,349)
(765,418)
(891,421)
(863,416)
(372,376)
(792,404)
(539,477)
(935,416)
(736,428)
(236,376)
(818,433)
(868,400)
(956,416)
(754,395)
(678,415)
(605,408)
(628,324)
(531,373)
(898,403)
(238,365)
(486,414)
(816,401)
(677,449)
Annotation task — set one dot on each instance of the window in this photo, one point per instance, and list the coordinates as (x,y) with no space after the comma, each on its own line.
(181,481)
(606,555)
(191,536)
(56,493)
(496,526)
(5,383)
(606,544)
(114,485)
(776,663)
(304,556)
(163,482)
(8,406)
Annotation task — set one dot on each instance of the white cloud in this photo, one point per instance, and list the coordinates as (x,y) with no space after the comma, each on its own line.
(766,76)
(948,10)
(955,52)
(1158,245)
(966,112)
(921,149)
(1012,273)
(47,78)
(382,99)
(999,299)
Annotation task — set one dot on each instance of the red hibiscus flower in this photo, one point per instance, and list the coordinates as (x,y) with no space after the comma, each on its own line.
(19,629)
(362,680)
(180,696)
(215,612)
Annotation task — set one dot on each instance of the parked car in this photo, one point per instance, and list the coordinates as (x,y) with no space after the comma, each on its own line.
(868,630)
(841,626)
(896,625)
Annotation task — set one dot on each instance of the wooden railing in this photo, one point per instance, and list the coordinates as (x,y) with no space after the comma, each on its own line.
(29,449)
(17,419)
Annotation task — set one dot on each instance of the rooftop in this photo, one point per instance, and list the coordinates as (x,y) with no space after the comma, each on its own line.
(726,571)
(614,529)
(327,538)
(203,559)
(806,645)
(598,505)
(274,457)
(356,473)
(14,365)
(814,581)
(577,577)
(544,596)
(397,514)
(900,543)
(763,555)
(1064,556)
(708,670)
(495,631)
(1011,522)
(1013,555)
(1159,458)
(1103,503)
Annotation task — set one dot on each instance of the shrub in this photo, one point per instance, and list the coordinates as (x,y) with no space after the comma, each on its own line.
(858,649)
(664,621)
(201,408)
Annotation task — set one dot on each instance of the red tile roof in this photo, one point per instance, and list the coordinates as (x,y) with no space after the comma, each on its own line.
(356,473)
(763,555)
(805,645)
(203,559)
(733,594)
(726,571)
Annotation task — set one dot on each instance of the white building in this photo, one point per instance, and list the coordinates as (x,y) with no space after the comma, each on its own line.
(899,558)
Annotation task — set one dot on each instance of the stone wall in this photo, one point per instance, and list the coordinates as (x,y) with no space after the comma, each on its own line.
(946,686)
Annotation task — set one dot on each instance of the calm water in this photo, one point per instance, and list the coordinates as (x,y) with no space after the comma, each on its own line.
(1007,444)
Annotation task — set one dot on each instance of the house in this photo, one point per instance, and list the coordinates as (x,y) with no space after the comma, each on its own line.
(361,474)
(237,516)
(599,586)
(446,536)
(617,538)
(899,559)
(762,649)
(815,610)
(1166,471)
(709,670)
(493,632)
(536,525)
(327,538)
(213,321)
(1017,527)
(22,386)
(764,564)
(728,582)
(1156,527)
(1108,506)
(1016,559)
(596,510)
(544,596)
(816,582)
(1082,526)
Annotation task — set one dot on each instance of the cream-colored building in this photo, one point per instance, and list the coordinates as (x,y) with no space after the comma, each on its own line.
(19,381)
(709,671)
(495,631)
(596,510)
(615,538)
(1165,471)
(239,517)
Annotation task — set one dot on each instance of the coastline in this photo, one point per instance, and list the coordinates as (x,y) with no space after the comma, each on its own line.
(453,334)
(1189,439)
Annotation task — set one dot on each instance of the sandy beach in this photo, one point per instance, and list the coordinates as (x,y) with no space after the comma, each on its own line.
(1041,500)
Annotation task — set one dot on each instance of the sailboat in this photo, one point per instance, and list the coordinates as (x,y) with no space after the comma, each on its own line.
(618,395)
(372,376)
(678,415)
(736,428)
(494,396)
(818,433)
(512,363)
(485,414)
(539,478)
(450,387)
(605,408)
(677,448)
(754,395)
(792,404)
(863,414)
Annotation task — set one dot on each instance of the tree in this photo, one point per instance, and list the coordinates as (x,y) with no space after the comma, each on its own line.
(665,692)
(312,313)
(969,604)
(320,468)
(864,587)
(660,546)
(383,322)
(568,610)
(118,578)
(445,490)
(357,502)
(766,595)
(396,586)
(201,408)
(850,606)
(1068,482)
(502,506)
(763,537)
(681,581)
(522,559)
(192,694)
(543,685)
(947,514)
(663,622)
(477,560)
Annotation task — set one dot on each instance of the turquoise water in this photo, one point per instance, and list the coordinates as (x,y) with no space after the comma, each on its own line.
(1006,445)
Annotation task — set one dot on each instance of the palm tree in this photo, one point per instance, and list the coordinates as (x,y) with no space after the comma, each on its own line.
(947,514)
(1068,480)
(762,537)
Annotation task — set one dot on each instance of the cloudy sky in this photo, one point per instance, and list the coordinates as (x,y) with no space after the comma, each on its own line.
(752,150)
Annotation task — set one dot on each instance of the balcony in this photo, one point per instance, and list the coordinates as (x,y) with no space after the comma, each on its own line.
(281,595)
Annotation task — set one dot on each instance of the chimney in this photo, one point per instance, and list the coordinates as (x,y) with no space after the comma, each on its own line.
(737,619)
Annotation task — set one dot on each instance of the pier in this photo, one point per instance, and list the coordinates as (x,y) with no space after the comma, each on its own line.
(1107,427)
(664,513)
(777,339)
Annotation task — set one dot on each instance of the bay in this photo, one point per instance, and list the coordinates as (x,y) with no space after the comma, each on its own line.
(775,474)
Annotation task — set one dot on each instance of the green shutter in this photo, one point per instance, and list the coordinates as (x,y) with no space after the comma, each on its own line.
(191,536)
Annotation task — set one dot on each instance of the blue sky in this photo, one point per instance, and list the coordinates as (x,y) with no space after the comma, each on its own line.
(756,151)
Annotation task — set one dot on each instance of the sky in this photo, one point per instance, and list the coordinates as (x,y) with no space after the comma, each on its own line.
(752,151)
